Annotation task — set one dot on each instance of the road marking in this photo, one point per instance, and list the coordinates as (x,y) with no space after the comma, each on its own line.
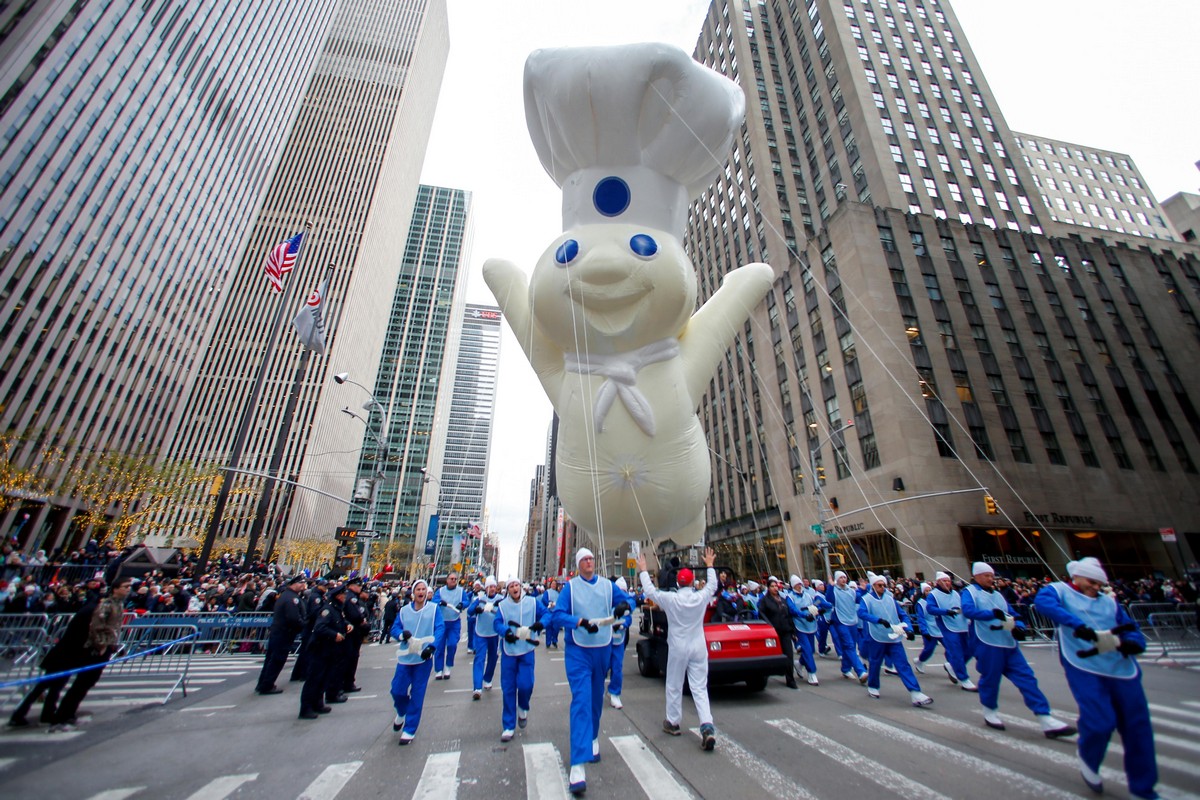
(1009,777)
(38,738)
(5,763)
(439,778)
(117,794)
(1170,723)
(456,691)
(331,781)
(655,779)
(1114,747)
(563,683)
(867,768)
(544,778)
(775,782)
(362,697)
(559,659)
(1070,762)
(206,708)
(222,787)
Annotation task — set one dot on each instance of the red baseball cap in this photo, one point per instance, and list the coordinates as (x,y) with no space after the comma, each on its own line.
(685,577)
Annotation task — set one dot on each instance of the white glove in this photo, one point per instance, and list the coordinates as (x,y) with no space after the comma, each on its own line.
(489,608)
(605,622)
(1106,641)
(1009,623)
(897,632)
(812,610)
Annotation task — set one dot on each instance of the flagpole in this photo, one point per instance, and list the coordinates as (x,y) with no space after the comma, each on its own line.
(285,428)
(239,444)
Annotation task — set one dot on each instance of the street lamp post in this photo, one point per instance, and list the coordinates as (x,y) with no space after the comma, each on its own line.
(427,476)
(819,493)
(381,457)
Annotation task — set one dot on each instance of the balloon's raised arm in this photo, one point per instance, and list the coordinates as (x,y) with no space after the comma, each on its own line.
(511,290)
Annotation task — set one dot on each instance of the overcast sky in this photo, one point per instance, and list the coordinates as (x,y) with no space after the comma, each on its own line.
(1111,74)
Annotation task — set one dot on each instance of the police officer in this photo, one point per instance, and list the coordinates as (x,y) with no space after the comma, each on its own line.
(358,614)
(340,651)
(329,630)
(314,601)
(287,620)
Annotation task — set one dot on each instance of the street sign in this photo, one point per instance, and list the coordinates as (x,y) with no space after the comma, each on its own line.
(1167,534)
(832,534)
(630,563)
(816,529)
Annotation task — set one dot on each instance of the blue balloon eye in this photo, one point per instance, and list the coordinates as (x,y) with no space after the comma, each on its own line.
(643,245)
(566,252)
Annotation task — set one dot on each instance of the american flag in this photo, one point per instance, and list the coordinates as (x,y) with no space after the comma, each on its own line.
(473,531)
(281,259)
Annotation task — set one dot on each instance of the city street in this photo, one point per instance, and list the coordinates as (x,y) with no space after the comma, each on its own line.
(830,741)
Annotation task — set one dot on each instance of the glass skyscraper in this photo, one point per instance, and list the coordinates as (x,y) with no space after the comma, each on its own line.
(136,142)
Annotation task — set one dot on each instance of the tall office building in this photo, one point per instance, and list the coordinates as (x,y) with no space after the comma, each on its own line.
(138,140)
(927,343)
(351,169)
(531,543)
(416,366)
(465,410)
(1092,188)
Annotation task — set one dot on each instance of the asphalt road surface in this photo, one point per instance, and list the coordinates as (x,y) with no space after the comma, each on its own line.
(829,741)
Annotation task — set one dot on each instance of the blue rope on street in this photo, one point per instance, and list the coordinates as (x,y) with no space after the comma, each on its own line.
(101,665)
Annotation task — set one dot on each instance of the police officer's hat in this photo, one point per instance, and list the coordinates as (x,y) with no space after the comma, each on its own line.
(355,580)
(336,589)
(295,579)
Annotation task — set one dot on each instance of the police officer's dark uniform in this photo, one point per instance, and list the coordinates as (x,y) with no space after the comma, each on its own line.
(288,620)
(329,631)
(339,652)
(313,600)
(356,611)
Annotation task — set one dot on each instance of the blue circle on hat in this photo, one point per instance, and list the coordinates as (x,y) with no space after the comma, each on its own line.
(611,196)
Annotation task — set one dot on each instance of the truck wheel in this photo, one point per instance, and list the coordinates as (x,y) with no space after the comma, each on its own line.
(645,665)
(757,683)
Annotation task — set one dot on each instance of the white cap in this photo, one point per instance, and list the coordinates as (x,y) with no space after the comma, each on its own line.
(941,575)
(628,132)
(490,580)
(622,585)
(838,574)
(752,586)
(1087,568)
(818,582)
(420,580)
(511,581)
(873,579)
(980,568)
(795,579)
(582,554)
(772,578)
(925,587)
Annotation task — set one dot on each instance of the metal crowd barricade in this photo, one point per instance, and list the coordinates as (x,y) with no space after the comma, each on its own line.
(1141,611)
(1038,623)
(247,633)
(21,650)
(173,660)
(1172,630)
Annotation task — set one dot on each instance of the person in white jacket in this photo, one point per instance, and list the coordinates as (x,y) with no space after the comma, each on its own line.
(687,653)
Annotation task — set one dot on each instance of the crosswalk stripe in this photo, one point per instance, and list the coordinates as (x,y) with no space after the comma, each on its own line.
(1159,736)
(331,781)
(117,794)
(866,767)
(1182,727)
(1010,778)
(207,708)
(655,779)
(222,787)
(1114,747)
(38,738)
(775,782)
(439,778)
(5,763)
(1191,703)
(543,772)
(1070,761)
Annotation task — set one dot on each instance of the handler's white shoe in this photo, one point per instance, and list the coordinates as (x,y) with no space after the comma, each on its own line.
(577,780)
(507,735)
(812,680)
(614,700)
(920,699)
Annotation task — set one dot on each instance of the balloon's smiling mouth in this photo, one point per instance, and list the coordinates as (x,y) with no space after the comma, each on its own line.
(610,308)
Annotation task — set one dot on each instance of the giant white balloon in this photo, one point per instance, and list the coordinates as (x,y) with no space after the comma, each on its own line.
(632,134)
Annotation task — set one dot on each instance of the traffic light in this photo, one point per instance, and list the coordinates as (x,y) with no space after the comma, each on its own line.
(989,503)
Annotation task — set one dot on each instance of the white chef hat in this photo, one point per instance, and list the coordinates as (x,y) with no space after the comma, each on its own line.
(818,582)
(582,554)
(925,587)
(1087,568)
(838,574)
(490,580)
(873,579)
(980,568)
(795,579)
(629,132)
(941,575)
(622,585)
(752,586)
(418,581)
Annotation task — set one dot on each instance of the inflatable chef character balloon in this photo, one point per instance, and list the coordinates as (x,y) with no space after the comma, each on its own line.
(632,134)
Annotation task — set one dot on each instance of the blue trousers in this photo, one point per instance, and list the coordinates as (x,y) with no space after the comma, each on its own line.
(516,687)
(822,635)
(551,635)
(471,620)
(616,668)
(1107,705)
(485,660)
(930,644)
(446,645)
(893,653)
(807,642)
(846,641)
(1007,662)
(408,692)
(586,668)
(956,644)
